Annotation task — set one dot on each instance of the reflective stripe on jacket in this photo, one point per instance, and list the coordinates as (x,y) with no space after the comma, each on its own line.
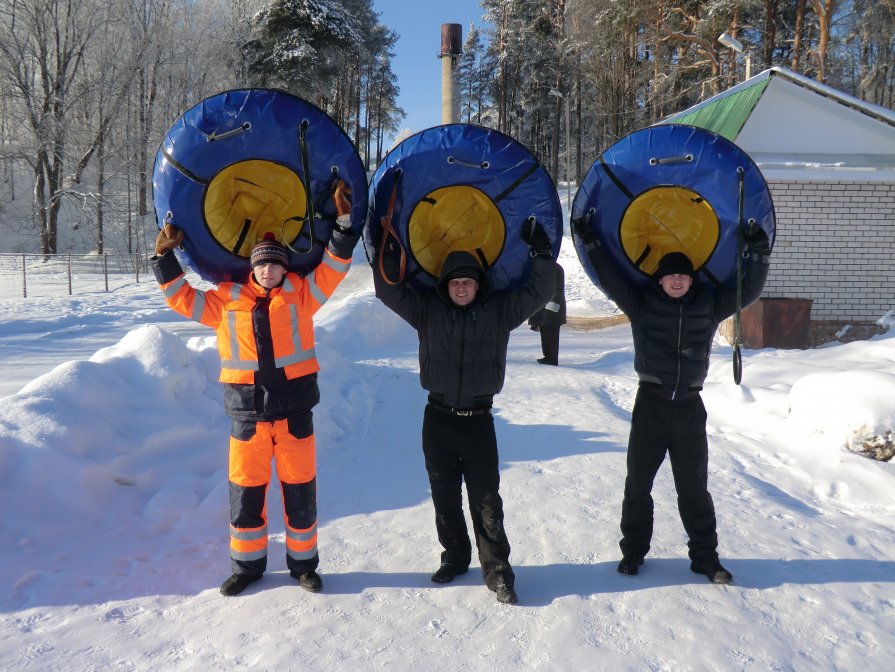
(229,308)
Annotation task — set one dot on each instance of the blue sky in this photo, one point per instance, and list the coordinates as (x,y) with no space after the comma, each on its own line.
(418,22)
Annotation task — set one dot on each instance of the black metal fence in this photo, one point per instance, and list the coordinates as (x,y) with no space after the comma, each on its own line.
(23,275)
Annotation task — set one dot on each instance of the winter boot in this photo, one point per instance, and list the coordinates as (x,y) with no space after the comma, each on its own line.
(238,583)
(502,585)
(629,565)
(309,580)
(505,594)
(447,573)
(712,568)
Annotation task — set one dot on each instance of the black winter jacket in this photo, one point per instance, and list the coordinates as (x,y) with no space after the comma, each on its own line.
(673,337)
(554,313)
(463,351)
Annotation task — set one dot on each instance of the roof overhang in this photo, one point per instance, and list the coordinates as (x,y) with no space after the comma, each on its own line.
(826,167)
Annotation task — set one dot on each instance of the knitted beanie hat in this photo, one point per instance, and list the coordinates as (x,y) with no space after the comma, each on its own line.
(674,263)
(269,251)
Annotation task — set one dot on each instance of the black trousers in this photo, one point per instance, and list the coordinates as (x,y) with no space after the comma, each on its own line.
(550,342)
(464,448)
(659,426)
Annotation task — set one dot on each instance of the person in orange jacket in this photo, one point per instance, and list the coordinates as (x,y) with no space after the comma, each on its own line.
(265,336)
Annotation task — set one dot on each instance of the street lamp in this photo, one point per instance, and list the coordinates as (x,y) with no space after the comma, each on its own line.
(731,42)
(558,94)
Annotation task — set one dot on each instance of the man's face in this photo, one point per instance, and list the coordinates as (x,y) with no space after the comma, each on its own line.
(462,290)
(676,284)
(269,275)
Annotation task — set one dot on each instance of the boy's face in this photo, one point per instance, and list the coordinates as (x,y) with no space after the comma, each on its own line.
(269,275)
(676,284)
(462,290)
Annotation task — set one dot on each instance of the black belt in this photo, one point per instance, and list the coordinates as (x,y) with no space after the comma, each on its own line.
(661,392)
(459,411)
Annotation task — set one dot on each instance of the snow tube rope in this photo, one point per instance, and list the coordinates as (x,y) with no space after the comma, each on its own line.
(737,316)
(388,232)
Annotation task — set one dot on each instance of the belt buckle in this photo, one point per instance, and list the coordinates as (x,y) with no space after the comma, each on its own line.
(459,411)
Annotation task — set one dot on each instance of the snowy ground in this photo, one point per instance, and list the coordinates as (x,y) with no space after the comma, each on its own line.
(113,448)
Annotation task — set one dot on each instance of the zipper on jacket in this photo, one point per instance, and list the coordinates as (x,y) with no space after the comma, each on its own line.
(268,374)
(680,326)
(462,349)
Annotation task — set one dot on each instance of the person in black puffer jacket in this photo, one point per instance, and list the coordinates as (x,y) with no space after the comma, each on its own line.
(673,322)
(464,332)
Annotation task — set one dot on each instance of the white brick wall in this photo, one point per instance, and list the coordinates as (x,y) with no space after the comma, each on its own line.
(836,245)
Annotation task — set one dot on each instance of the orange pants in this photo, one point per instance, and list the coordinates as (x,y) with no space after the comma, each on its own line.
(290,443)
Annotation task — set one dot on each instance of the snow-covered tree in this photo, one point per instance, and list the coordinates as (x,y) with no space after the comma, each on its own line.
(298,43)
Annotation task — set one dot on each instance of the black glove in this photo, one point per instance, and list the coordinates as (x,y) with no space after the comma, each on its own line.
(390,262)
(536,238)
(581,229)
(754,235)
(755,242)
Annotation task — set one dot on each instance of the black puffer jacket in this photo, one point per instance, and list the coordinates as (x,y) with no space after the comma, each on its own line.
(463,351)
(673,337)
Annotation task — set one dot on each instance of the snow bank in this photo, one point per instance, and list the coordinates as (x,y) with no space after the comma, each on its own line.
(851,407)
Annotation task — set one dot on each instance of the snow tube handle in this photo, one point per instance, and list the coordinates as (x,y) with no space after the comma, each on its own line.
(686,158)
(737,364)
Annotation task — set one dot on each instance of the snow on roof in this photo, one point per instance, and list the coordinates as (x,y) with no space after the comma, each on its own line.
(786,130)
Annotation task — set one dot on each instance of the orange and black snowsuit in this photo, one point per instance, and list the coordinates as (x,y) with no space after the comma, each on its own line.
(269,372)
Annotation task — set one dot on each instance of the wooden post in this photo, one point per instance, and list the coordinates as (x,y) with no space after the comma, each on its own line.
(69,275)
(106,270)
(24,279)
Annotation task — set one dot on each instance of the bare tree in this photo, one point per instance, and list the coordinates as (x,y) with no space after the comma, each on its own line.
(42,49)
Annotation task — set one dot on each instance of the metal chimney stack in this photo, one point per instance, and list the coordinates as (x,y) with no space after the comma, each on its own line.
(451,49)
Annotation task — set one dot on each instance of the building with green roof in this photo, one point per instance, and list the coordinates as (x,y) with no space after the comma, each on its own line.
(829,160)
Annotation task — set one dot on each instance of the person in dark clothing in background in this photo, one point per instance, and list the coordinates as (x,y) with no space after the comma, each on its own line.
(464,332)
(673,322)
(549,319)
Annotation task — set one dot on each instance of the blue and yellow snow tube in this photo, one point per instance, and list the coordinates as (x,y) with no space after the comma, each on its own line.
(673,188)
(462,187)
(247,162)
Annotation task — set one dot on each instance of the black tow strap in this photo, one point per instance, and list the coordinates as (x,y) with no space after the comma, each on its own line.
(616,180)
(737,317)
(306,183)
(506,192)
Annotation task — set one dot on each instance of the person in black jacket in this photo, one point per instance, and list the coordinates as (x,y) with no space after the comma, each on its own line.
(673,322)
(464,332)
(549,319)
